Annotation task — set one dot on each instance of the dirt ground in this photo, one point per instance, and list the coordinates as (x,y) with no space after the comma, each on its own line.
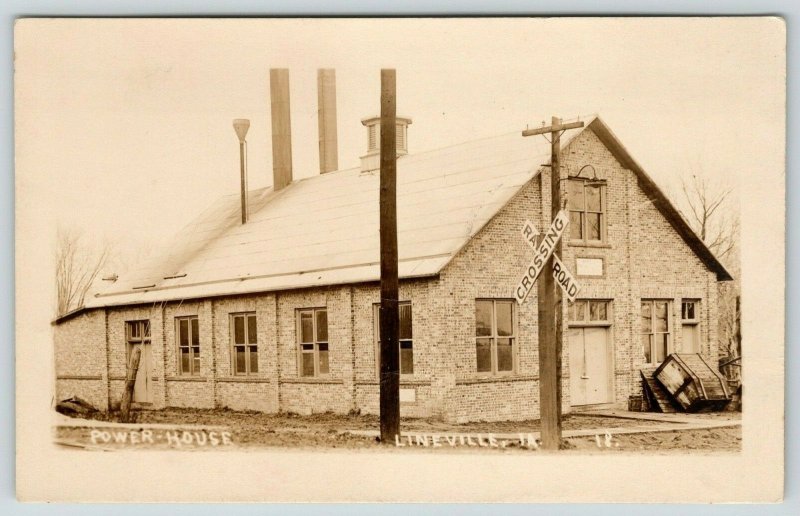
(255,429)
(727,439)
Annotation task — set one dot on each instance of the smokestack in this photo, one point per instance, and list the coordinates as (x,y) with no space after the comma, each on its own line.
(281,128)
(326,113)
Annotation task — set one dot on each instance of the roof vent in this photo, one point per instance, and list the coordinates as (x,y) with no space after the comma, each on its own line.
(372,159)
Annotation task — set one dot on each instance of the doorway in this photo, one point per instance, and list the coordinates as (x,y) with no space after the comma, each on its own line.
(138,334)
(590,366)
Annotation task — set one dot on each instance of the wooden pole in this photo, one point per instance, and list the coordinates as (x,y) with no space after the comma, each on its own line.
(130,381)
(389,315)
(243,170)
(550,332)
(550,302)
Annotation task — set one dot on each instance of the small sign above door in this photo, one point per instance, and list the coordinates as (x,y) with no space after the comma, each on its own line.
(589,266)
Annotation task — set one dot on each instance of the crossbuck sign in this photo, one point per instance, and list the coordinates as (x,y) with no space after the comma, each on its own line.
(543,252)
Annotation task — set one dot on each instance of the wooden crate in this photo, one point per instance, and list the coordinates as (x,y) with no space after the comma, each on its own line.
(692,383)
(655,398)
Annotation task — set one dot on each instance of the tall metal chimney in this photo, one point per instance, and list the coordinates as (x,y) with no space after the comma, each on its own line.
(281,128)
(326,114)
(241,125)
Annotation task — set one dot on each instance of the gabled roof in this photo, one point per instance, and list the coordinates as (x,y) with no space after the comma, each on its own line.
(323,230)
(660,200)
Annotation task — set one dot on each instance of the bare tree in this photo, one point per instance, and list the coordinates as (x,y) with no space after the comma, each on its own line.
(77,266)
(710,211)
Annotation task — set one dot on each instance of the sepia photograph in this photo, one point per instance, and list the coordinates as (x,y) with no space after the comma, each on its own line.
(430,243)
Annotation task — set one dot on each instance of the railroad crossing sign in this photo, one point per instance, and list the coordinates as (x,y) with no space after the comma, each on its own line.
(544,249)
(565,279)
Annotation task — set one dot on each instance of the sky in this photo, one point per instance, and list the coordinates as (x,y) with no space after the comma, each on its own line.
(124,127)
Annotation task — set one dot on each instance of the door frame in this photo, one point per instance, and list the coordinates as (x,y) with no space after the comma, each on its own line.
(137,333)
(609,326)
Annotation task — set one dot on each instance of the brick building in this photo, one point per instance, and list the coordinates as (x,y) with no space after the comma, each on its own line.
(279,313)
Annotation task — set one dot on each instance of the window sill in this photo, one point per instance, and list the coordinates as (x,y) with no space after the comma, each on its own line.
(497,379)
(596,245)
(243,379)
(589,324)
(186,379)
(78,377)
(312,379)
(403,382)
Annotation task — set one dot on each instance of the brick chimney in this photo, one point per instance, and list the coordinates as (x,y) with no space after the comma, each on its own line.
(372,159)
(326,114)
(281,128)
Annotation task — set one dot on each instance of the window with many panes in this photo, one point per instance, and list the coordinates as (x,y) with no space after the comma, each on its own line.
(406,340)
(312,331)
(689,311)
(136,332)
(690,325)
(586,203)
(589,312)
(188,336)
(656,329)
(494,335)
(244,343)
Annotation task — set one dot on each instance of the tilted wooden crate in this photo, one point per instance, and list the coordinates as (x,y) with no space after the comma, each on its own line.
(692,382)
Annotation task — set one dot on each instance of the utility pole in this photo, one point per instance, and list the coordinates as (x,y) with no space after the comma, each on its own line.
(550,304)
(389,315)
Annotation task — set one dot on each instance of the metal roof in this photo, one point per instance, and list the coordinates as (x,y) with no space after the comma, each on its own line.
(323,230)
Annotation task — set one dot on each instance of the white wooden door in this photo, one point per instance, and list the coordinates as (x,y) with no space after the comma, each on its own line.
(590,366)
(143,387)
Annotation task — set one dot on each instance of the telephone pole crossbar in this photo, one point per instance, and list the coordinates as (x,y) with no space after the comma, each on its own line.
(552,128)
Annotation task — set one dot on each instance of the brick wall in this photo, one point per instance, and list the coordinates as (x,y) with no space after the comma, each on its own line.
(365,340)
(80,358)
(255,391)
(509,400)
(184,390)
(490,266)
(247,395)
(305,395)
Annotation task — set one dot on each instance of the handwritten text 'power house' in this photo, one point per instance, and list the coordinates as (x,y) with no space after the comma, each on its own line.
(175,439)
